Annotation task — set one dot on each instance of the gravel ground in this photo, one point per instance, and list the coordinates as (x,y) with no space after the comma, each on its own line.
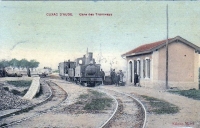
(11,101)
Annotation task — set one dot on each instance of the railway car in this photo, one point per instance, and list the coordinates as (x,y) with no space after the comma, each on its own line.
(83,70)
(66,70)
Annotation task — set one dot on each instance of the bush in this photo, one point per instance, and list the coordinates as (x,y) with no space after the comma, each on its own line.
(6,88)
(166,110)
(98,104)
(83,96)
(16,92)
(161,106)
(194,94)
(20,83)
(96,94)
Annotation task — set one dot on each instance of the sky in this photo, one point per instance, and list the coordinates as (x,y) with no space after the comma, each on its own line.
(27,30)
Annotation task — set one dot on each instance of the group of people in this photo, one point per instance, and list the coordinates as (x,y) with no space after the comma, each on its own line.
(117,78)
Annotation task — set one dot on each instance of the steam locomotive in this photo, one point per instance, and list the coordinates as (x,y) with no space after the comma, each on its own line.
(83,70)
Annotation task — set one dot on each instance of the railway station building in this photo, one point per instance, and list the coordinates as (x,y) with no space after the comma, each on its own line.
(149,62)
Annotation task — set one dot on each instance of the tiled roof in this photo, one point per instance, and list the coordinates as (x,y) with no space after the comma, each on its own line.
(146,47)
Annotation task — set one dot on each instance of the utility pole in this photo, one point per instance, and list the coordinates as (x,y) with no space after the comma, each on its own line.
(167,87)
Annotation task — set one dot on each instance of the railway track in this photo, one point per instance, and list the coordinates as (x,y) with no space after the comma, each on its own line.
(129,111)
(57,97)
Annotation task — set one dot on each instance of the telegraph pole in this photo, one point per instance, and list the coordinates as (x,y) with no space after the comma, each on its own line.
(167,87)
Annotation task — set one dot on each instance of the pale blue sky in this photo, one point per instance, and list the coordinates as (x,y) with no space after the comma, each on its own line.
(54,39)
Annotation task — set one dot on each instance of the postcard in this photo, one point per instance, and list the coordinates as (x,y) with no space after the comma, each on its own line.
(146,49)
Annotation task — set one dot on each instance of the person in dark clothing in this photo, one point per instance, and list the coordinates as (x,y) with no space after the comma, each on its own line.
(117,79)
(1,72)
(113,74)
(102,74)
(4,72)
(136,79)
(28,72)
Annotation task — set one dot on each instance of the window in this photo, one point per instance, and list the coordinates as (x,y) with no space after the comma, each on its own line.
(144,69)
(135,66)
(138,68)
(148,67)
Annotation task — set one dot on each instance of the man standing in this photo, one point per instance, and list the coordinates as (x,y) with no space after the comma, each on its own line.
(136,79)
(102,74)
(4,72)
(28,72)
(113,74)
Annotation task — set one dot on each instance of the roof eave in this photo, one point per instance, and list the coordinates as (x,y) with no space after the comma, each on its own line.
(197,49)
(180,39)
(136,54)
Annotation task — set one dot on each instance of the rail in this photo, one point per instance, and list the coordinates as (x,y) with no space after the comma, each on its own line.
(116,108)
(144,109)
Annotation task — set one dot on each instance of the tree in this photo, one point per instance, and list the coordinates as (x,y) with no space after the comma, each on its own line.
(14,63)
(33,64)
(4,63)
(24,63)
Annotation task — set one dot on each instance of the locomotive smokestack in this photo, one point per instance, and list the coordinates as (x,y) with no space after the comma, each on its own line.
(90,57)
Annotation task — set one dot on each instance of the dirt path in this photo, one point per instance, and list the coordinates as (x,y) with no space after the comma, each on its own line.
(189,115)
